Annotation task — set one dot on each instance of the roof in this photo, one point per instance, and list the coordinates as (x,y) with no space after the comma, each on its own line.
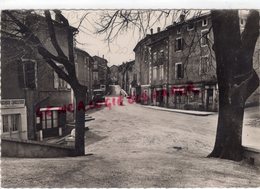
(99,58)
(156,35)
(84,52)
(113,66)
(192,19)
(56,23)
(146,38)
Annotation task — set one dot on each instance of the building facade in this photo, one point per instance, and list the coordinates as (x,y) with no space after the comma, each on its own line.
(127,76)
(84,70)
(178,68)
(29,83)
(114,74)
(99,73)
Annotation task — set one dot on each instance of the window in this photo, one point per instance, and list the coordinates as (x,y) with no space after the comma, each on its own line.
(242,22)
(60,83)
(190,27)
(154,73)
(95,65)
(11,122)
(5,123)
(178,44)
(178,30)
(95,75)
(77,69)
(204,65)
(155,58)
(161,72)
(204,22)
(204,37)
(29,70)
(49,119)
(161,57)
(178,70)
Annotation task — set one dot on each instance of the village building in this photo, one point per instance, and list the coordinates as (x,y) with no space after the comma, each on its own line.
(84,70)
(100,73)
(178,68)
(127,76)
(114,74)
(30,86)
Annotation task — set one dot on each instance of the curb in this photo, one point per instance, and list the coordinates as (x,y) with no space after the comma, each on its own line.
(199,113)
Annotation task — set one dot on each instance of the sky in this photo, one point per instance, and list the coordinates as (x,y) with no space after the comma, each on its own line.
(118,51)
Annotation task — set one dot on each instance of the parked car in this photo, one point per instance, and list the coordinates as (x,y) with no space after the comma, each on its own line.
(98,96)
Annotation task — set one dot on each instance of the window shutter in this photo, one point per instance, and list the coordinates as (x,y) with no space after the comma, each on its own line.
(56,80)
(29,74)
(182,71)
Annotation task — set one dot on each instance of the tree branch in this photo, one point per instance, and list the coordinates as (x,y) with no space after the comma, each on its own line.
(52,33)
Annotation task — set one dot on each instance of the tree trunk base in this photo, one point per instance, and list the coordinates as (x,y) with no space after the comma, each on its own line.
(230,154)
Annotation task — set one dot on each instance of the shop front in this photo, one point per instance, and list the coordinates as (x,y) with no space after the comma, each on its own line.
(51,122)
(14,118)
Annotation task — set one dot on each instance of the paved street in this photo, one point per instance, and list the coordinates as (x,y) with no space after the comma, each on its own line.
(133,146)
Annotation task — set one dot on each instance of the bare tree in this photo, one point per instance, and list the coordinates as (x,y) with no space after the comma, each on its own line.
(23,31)
(236,77)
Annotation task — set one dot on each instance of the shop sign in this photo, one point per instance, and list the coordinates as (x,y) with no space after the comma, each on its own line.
(12,103)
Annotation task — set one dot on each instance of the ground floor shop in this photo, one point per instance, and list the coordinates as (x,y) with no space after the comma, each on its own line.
(193,97)
(200,96)
(14,118)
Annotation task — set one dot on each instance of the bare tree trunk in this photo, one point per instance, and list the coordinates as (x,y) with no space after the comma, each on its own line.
(236,78)
(80,96)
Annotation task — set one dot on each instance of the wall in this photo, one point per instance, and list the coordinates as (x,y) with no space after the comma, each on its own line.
(33,149)
(10,60)
(191,54)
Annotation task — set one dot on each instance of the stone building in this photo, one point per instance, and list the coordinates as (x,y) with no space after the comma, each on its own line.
(177,66)
(114,74)
(127,76)
(29,84)
(84,66)
(99,73)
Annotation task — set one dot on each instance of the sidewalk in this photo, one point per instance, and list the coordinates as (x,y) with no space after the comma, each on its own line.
(190,112)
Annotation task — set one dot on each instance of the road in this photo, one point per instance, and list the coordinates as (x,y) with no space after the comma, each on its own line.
(132,146)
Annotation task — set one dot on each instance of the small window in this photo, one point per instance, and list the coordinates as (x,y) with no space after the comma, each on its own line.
(178,44)
(59,83)
(204,65)
(161,72)
(95,65)
(155,58)
(242,22)
(178,30)
(178,70)
(204,22)
(154,73)
(204,37)
(77,69)
(29,68)
(161,57)
(190,27)
(95,76)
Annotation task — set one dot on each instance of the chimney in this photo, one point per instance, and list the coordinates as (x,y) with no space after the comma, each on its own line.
(151,31)
(158,29)
(103,56)
(57,17)
(182,17)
